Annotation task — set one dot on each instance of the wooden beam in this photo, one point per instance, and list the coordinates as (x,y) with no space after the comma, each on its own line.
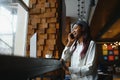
(114,17)
(117,37)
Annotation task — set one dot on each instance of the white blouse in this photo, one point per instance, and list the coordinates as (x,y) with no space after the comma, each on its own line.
(82,69)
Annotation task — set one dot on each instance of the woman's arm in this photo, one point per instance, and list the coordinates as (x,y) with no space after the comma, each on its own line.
(67,50)
(66,54)
(90,62)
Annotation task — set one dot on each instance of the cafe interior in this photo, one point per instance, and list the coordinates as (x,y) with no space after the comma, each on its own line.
(33,34)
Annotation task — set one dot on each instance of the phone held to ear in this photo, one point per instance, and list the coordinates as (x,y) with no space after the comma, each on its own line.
(72,36)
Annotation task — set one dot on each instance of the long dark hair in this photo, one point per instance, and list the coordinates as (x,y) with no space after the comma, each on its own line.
(85,31)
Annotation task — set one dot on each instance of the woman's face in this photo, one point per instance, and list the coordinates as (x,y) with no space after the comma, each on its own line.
(76,31)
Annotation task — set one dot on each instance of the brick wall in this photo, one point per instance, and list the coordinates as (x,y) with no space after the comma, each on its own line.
(66,30)
(43,19)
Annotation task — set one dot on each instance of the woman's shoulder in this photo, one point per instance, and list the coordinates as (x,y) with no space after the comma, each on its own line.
(92,42)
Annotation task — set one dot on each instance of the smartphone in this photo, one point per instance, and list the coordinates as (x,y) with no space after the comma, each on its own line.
(72,36)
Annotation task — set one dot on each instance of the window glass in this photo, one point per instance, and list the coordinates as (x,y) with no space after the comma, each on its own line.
(11,24)
(7,29)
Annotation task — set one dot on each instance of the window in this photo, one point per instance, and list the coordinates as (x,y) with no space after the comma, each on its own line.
(8,19)
(13,27)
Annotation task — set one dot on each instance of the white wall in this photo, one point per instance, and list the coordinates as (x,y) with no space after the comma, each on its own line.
(21,32)
(72,9)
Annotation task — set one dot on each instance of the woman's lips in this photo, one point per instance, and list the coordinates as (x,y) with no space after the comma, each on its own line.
(74,34)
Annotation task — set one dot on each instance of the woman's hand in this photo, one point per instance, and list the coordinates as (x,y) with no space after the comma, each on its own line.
(64,65)
(70,40)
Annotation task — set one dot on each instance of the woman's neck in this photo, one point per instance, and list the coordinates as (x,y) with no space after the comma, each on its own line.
(80,39)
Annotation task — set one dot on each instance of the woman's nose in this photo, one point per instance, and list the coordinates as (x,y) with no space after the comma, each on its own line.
(73,31)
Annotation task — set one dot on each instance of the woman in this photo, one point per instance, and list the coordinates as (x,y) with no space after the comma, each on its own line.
(81,51)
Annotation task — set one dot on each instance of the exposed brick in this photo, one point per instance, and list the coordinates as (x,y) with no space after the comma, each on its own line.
(53,10)
(50,14)
(40,30)
(51,30)
(35,21)
(35,16)
(49,47)
(27,54)
(46,48)
(48,10)
(42,10)
(57,26)
(29,21)
(31,31)
(28,42)
(52,20)
(42,36)
(52,25)
(43,25)
(28,47)
(47,4)
(32,1)
(40,47)
(56,5)
(39,53)
(35,11)
(51,36)
(52,4)
(52,1)
(43,20)
(51,42)
(28,37)
(40,5)
(39,1)
(43,17)
(56,14)
(40,42)
(56,54)
(35,26)
(32,26)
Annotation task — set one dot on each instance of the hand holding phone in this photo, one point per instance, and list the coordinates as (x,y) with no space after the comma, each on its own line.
(72,36)
(71,39)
